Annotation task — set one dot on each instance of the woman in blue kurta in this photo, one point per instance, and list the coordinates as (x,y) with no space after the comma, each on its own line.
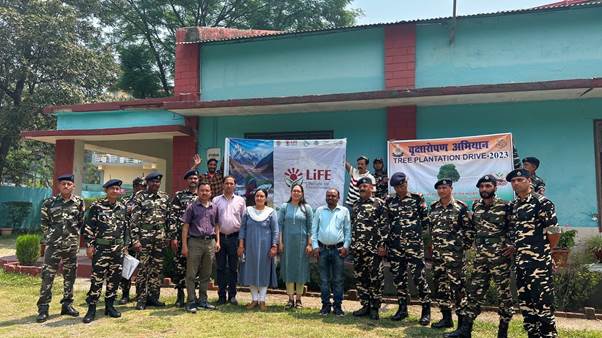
(258,244)
(294,219)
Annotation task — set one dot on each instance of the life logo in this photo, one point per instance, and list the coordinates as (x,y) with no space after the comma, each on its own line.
(293,176)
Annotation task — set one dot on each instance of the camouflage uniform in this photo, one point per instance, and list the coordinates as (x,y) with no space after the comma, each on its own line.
(178,205)
(128,201)
(537,184)
(149,227)
(492,237)
(529,217)
(61,225)
(406,217)
(106,230)
(370,230)
(452,233)
(382,189)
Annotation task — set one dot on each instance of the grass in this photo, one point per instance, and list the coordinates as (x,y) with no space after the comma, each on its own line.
(18,295)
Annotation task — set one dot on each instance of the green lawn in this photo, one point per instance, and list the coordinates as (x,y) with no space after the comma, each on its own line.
(18,295)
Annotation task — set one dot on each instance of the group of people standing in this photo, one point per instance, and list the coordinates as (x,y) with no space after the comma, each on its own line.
(207,221)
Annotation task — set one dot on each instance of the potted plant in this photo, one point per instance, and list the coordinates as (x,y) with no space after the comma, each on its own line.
(560,254)
(594,246)
(553,235)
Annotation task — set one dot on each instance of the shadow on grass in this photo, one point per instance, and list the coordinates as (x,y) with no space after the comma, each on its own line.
(20,321)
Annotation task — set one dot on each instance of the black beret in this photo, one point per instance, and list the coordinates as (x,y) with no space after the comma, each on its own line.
(397,179)
(154,176)
(443,181)
(487,178)
(113,182)
(190,173)
(66,177)
(364,180)
(517,173)
(138,181)
(532,160)
(212,160)
(362,157)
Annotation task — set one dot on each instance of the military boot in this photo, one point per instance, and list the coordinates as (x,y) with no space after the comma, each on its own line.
(425,316)
(180,298)
(374,313)
(110,310)
(91,314)
(364,311)
(463,331)
(402,311)
(446,321)
(42,313)
(154,302)
(68,309)
(502,329)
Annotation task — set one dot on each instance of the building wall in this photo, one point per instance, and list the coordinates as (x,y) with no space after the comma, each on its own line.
(128,173)
(366,131)
(513,48)
(325,63)
(559,133)
(116,119)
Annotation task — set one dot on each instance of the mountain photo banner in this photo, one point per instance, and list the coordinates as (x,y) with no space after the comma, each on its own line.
(276,165)
(462,159)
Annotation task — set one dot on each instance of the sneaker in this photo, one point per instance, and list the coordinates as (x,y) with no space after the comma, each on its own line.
(205,305)
(338,311)
(191,307)
(325,310)
(233,301)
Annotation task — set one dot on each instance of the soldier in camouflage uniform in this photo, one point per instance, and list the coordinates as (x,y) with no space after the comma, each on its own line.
(530,214)
(407,214)
(369,234)
(452,233)
(149,230)
(380,175)
(62,220)
(178,205)
(137,185)
(106,235)
(537,183)
(493,258)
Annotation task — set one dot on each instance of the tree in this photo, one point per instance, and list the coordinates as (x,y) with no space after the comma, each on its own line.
(151,24)
(51,53)
(138,76)
(448,171)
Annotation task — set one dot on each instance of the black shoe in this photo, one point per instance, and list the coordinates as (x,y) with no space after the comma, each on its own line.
(233,301)
(140,306)
(446,321)
(180,298)
(42,314)
(124,300)
(463,331)
(205,305)
(374,314)
(338,311)
(191,307)
(69,310)
(91,314)
(402,312)
(364,311)
(110,310)
(221,301)
(425,316)
(325,310)
(154,302)
(502,330)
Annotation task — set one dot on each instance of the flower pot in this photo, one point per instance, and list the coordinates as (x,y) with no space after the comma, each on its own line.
(6,231)
(560,256)
(553,238)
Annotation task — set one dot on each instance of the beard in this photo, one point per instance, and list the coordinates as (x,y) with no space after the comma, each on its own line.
(486,194)
(192,186)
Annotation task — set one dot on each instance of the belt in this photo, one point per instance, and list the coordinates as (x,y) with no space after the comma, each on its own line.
(150,226)
(489,240)
(234,234)
(102,241)
(332,246)
(206,237)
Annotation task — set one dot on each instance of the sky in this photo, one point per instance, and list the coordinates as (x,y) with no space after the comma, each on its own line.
(378,11)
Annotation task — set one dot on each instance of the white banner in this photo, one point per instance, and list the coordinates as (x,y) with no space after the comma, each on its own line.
(462,159)
(317,165)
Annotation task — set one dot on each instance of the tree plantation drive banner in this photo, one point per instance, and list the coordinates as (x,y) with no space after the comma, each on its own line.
(276,165)
(463,160)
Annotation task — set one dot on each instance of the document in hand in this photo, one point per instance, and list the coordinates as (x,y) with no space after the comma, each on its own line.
(129,265)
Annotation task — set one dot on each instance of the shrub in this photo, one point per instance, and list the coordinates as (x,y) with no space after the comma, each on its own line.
(567,239)
(28,248)
(17,212)
(594,247)
(575,284)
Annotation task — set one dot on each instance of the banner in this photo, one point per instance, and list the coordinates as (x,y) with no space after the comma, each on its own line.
(276,165)
(463,160)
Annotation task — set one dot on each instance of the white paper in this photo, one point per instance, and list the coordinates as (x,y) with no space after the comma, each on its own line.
(130,264)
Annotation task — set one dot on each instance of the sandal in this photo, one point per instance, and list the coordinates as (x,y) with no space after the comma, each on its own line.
(290,304)
(298,304)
